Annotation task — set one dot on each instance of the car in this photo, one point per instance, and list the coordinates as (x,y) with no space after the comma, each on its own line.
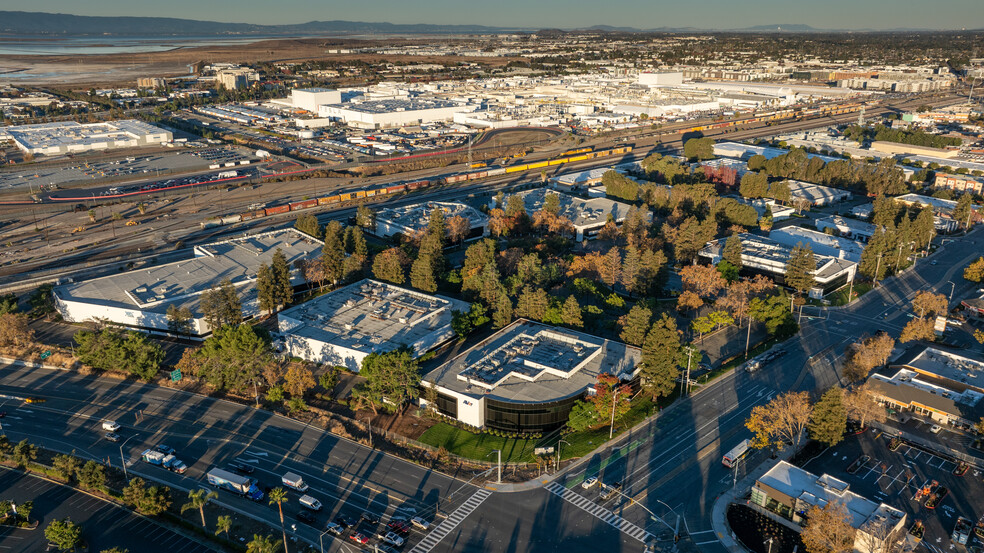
(369,517)
(392,538)
(334,529)
(344,521)
(401,527)
(935,429)
(165,449)
(305,517)
(381,548)
(611,490)
(589,482)
(112,436)
(420,523)
(359,538)
(933,262)
(241,467)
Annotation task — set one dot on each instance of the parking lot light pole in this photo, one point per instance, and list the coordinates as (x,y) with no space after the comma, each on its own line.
(321,540)
(122,460)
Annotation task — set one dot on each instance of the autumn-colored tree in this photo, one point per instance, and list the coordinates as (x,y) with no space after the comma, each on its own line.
(927,304)
(864,356)
(14,330)
(499,225)
(609,232)
(688,300)
(389,265)
(587,266)
(828,529)
(611,267)
(975,271)
(862,407)
(703,280)
(783,420)
(979,335)
(298,379)
(918,329)
(458,228)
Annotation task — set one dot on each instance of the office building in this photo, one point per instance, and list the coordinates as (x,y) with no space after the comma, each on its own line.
(413,218)
(848,228)
(376,114)
(587,216)
(309,99)
(959,183)
(70,137)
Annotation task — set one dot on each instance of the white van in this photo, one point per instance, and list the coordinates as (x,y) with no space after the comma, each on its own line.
(310,502)
(111,426)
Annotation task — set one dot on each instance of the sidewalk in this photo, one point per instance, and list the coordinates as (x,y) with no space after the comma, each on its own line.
(719,519)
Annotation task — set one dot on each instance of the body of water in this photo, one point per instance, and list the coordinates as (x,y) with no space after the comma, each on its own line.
(48,46)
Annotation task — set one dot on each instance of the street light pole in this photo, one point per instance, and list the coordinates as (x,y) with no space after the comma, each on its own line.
(498,463)
(369,429)
(558,451)
(321,540)
(952,288)
(123,460)
(611,428)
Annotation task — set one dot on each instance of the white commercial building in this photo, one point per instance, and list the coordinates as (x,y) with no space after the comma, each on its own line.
(849,228)
(376,114)
(342,327)
(72,137)
(816,194)
(820,243)
(309,99)
(587,216)
(412,218)
(745,152)
(526,377)
(662,78)
(140,298)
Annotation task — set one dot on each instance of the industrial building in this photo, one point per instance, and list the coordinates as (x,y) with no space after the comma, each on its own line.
(817,195)
(848,228)
(526,377)
(139,299)
(820,243)
(941,210)
(942,386)
(309,99)
(896,148)
(959,183)
(789,491)
(745,152)
(377,114)
(342,327)
(768,257)
(409,219)
(587,216)
(70,137)
(663,78)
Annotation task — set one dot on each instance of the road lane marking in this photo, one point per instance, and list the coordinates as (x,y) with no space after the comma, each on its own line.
(600,512)
(454,519)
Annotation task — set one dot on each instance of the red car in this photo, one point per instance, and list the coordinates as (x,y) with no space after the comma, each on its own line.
(359,538)
(399,526)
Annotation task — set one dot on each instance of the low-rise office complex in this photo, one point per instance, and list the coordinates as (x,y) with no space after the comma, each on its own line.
(140,298)
(526,377)
(848,228)
(790,492)
(342,327)
(819,242)
(587,216)
(409,219)
(816,194)
(71,137)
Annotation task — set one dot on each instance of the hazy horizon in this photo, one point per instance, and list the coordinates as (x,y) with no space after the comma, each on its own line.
(640,14)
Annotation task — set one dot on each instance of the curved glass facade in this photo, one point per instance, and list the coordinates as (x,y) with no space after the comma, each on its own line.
(528,417)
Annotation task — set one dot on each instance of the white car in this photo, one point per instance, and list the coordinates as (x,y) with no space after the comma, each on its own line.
(393,539)
(420,523)
(935,429)
(589,482)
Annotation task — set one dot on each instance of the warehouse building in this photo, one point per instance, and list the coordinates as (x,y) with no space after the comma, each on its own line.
(848,228)
(409,219)
(789,491)
(377,114)
(817,195)
(309,99)
(662,78)
(342,327)
(526,377)
(820,243)
(139,299)
(70,137)
(768,257)
(745,152)
(941,386)
(588,216)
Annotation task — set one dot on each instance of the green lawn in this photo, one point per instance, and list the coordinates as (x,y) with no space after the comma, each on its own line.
(839,297)
(479,446)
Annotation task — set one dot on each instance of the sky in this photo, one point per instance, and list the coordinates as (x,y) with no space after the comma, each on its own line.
(537,14)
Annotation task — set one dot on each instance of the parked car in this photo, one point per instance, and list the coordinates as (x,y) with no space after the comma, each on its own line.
(359,538)
(392,538)
(369,517)
(241,467)
(420,523)
(401,527)
(334,529)
(165,449)
(935,429)
(112,436)
(344,521)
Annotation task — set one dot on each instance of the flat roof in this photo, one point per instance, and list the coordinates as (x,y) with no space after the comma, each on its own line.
(66,133)
(581,177)
(935,362)
(814,191)
(853,224)
(775,255)
(370,316)
(417,216)
(390,106)
(314,90)
(182,282)
(821,243)
(581,212)
(530,362)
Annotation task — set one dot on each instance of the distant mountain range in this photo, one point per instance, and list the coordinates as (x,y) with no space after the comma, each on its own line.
(19,23)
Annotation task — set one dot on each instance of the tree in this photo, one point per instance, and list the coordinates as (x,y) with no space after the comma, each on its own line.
(702,325)
(918,329)
(661,358)
(728,271)
(24,453)
(92,475)
(110,349)
(697,149)
(975,271)
(66,465)
(283,290)
(532,303)
(688,300)
(800,268)
(611,398)
(862,407)
(979,335)
(179,319)
(551,203)
(278,496)
(365,218)
(64,533)
(298,379)
(233,357)
(864,356)
(829,418)
(753,185)
(333,253)
(197,499)
(135,492)
(223,524)
(392,376)
(619,186)
(732,251)
(703,280)
(221,306)
(765,223)
(963,210)
(458,228)
(8,304)
(780,421)
(388,265)
(422,274)
(308,224)
(265,293)
(927,304)
(828,529)
(42,300)
(156,501)
(262,544)
(774,312)
(502,311)
(571,313)
(14,330)
(635,325)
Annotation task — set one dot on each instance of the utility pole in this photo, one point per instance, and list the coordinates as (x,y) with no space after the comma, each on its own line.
(877,268)
(611,428)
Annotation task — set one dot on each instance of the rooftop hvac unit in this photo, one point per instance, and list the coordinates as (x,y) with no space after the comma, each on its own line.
(403,320)
(348,326)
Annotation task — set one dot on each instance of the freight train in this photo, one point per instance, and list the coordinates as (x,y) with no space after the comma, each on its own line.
(338,199)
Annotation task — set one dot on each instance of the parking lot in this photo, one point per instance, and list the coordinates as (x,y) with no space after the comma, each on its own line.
(896,477)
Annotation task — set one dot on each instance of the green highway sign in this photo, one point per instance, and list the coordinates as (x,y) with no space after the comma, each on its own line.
(175,375)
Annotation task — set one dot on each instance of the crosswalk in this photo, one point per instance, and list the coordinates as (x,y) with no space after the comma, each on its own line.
(600,512)
(450,523)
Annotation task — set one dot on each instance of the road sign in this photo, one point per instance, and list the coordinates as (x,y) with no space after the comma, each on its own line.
(175,375)
(46,354)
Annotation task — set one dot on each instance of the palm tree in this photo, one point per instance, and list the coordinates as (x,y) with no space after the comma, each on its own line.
(223,524)
(260,544)
(197,500)
(279,496)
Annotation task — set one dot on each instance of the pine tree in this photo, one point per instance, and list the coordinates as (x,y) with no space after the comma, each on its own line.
(532,303)
(571,313)
(732,251)
(800,268)
(502,311)
(632,270)
(422,274)
(437,226)
(265,289)
(333,253)
(961,213)
(308,223)
(283,289)
(611,267)
(765,223)
(636,325)
(387,266)
(829,418)
(661,358)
